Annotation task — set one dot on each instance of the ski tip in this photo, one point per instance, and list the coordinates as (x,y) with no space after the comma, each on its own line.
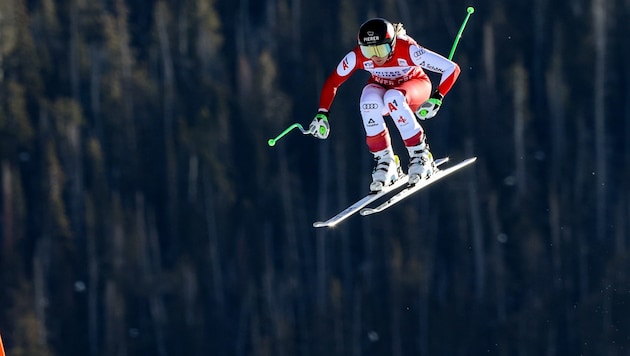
(325,224)
(440,161)
(367,211)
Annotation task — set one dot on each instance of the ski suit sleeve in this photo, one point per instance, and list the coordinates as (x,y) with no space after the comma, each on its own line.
(344,70)
(437,63)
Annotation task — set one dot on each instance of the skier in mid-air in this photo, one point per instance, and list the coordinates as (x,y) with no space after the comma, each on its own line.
(399,88)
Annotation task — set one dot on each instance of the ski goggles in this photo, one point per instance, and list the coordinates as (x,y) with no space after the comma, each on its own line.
(382,50)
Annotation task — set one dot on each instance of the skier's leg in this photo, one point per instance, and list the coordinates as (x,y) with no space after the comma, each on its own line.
(397,101)
(386,168)
(372,108)
(403,116)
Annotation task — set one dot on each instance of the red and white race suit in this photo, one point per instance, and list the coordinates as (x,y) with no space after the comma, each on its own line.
(397,88)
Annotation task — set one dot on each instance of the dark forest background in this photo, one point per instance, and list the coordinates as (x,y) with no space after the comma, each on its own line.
(142,212)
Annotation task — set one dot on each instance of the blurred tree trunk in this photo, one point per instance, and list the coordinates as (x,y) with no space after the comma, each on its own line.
(93,216)
(498,263)
(557,91)
(626,100)
(599,106)
(396,282)
(69,121)
(539,57)
(339,187)
(499,272)
(520,88)
(322,241)
(7,41)
(41,265)
(214,243)
(151,269)
(279,298)
(95,58)
(16,128)
(558,199)
(193,335)
(357,335)
(489,65)
(126,83)
(488,86)
(73,49)
(425,269)
(396,276)
(53,233)
(93,278)
(115,328)
(580,189)
(115,331)
(623,234)
(162,22)
(102,219)
(8,215)
(476,229)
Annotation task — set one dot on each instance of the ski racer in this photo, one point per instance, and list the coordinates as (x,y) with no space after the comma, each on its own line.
(399,88)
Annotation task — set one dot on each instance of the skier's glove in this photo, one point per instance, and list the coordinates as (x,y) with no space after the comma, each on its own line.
(319,127)
(430,107)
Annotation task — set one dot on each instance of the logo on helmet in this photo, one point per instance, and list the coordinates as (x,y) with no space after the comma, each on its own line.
(371,37)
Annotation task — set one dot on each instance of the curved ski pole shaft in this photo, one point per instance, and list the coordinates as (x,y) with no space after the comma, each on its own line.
(272,141)
(469,12)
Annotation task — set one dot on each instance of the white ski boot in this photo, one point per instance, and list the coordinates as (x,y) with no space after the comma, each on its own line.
(421,163)
(386,170)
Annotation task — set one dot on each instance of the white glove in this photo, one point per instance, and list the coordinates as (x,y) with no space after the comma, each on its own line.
(319,127)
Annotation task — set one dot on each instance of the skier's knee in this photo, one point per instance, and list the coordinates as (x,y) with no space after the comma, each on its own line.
(394,97)
(371,102)
(371,107)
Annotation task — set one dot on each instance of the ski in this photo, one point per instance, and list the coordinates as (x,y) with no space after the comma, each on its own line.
(347,212)
(371,197)
(437,175)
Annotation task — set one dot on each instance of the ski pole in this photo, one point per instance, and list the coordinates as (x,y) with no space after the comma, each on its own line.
(469,12)
(422,112)
(272,141)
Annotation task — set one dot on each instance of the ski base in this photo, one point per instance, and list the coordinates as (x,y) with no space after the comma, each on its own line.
(371,197)
(437,175)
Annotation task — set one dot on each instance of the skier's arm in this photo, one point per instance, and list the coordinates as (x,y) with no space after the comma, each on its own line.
(437,63)
(319,127)
(344,70)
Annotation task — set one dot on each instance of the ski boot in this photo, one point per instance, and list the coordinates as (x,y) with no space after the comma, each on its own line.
(386,170)
(421,164)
